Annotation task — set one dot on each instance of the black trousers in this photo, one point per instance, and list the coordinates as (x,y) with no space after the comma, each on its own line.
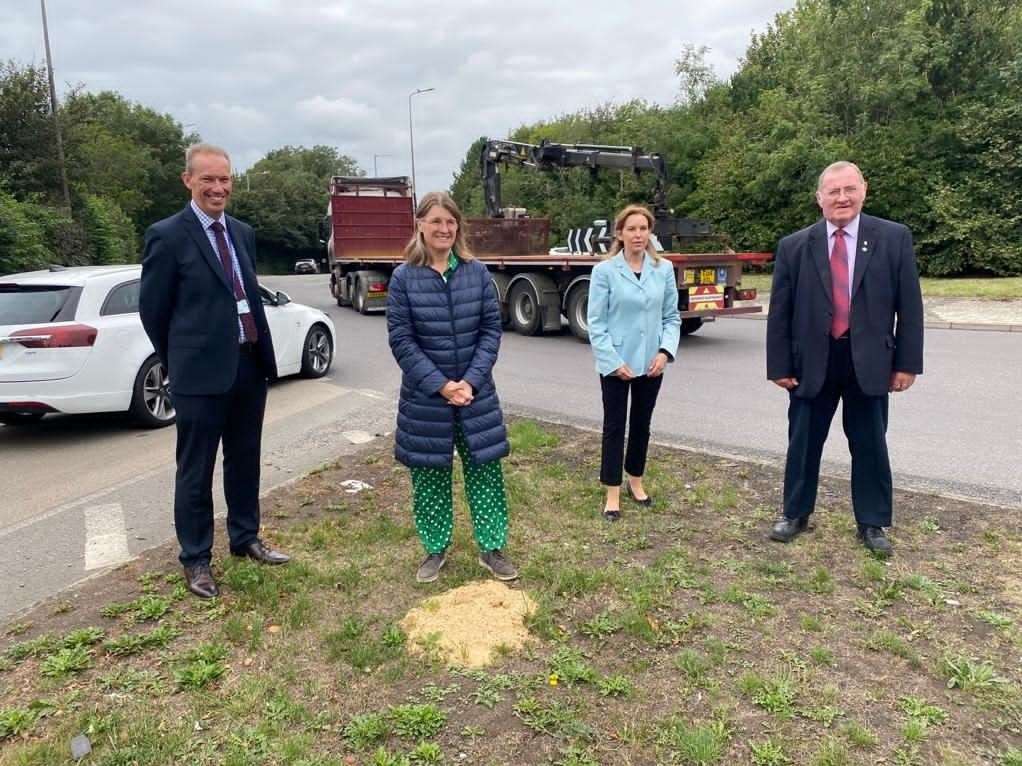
(644,391)
(203,422)
(865,423)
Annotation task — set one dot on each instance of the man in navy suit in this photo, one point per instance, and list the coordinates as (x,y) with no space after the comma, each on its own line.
(845,323)
(201,309)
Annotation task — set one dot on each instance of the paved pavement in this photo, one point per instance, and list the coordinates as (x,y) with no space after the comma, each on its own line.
(954,313)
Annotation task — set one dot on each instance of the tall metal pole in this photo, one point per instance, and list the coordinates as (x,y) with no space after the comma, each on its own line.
(53,109)
(411,139)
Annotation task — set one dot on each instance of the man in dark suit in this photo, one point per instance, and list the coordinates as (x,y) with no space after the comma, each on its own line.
(201,309)
(845,323)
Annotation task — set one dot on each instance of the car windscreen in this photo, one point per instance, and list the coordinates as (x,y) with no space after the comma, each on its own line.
(37,304)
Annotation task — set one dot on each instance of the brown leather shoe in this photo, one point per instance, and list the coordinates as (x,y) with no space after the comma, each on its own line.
(256,550)
(199,579)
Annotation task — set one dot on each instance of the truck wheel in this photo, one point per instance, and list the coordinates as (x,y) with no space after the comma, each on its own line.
(360,297)
(337,288)
(523,305)
(689,326)
(150,400)
(578,307)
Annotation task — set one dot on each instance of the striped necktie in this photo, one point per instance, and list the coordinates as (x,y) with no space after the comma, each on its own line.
(839,280)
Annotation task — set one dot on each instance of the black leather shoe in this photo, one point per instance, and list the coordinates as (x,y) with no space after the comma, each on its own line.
(199,579)
(785,530)
(256,550)
(646,502)
(612,515)
(876,540)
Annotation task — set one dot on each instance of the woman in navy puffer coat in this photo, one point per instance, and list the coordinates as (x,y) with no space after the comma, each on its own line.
(444,328)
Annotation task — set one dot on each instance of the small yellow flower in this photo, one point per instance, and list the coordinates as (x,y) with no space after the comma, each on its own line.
(553,679)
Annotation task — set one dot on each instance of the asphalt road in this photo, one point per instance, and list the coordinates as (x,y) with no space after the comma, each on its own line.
(78,494)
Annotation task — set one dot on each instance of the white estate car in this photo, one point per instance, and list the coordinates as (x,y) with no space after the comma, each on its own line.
(71,340)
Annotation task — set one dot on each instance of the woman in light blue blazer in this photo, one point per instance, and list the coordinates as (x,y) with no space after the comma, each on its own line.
(634,329)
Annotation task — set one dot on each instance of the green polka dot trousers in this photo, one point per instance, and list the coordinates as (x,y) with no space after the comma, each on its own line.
(433,502)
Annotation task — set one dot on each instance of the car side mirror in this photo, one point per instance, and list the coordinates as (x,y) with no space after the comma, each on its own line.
(282,298)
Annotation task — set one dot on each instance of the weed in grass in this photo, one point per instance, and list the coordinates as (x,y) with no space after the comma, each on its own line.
(614,686)
(819,582)
(886,641)
(725,499)
(693,665)
(393,637)
(381,757)
(472,731)
(929,525)
(768,753)
(997,619)
(907,755)
(969,674)
(1012,757)
(569,665)
(417,722)
(364,731)
(821,655)
(600,626)
(18,629)
(552,718)
(774,572)
(488,693)
(576,756)
(134,681)
(201,666)
(128,644)
(15,721)
(40,646)
(426,754)
(147,607)
(64,662)
(811,623)
(914,731)
(874,570)
(920,710)
(351,644)
(434,693)
(831,753)
(301,613)
(775,694)
(825,714)
(280,708)
(693,744)
(82,637)
(888,592)
(858,736)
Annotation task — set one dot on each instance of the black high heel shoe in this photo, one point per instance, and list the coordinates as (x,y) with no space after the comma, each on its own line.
(646,502)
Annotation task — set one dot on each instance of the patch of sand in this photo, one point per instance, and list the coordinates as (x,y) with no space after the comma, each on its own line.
(466,624)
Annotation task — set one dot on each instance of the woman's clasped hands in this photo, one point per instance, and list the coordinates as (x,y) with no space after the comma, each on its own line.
(457,393)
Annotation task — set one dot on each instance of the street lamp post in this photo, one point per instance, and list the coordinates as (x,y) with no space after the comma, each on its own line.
(56,114)
(411,137)
(376,173)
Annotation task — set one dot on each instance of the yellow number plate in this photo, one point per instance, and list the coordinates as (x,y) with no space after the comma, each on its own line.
(707,276)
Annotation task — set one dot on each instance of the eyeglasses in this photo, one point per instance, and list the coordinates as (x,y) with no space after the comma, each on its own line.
(848,191)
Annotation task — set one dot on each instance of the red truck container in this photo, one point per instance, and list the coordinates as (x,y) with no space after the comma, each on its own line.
(372,219)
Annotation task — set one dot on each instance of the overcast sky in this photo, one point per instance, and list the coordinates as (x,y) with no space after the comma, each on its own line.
(253,75)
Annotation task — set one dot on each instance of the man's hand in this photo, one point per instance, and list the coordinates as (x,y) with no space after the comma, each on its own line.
(787,383)
(902,381)
(457,392)
(624,372)
(656,367)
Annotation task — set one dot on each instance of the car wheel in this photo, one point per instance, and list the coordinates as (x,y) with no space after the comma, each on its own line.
(317,352)
(150,399)
(20,418)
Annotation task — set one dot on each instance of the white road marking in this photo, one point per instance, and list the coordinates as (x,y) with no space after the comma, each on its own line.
(106,539)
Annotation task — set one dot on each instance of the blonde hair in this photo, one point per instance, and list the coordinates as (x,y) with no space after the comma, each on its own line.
(619,225)
(415,251)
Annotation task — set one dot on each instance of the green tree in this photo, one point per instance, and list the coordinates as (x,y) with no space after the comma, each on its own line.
(28,162)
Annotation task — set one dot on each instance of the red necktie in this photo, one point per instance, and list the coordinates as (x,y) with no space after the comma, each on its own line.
(839,280)
(248,324)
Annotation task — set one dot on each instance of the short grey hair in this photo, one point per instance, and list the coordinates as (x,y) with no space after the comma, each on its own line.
(839,165)
(202,148)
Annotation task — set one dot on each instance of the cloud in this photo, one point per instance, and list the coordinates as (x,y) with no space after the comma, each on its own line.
(255,75)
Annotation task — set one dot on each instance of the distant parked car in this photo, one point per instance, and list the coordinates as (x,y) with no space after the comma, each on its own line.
(306,266)
(71,340)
